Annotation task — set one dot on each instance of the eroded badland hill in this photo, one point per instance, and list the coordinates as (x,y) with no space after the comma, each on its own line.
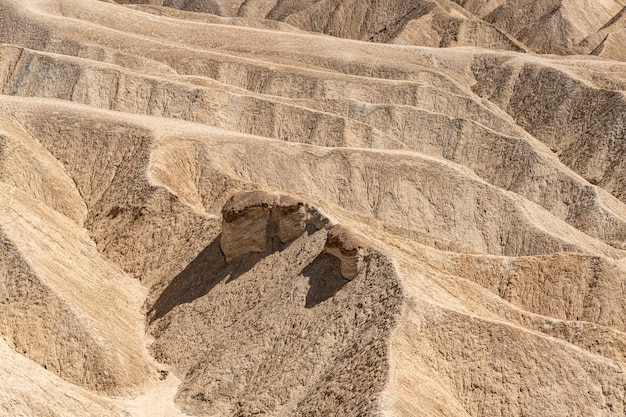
(312,208)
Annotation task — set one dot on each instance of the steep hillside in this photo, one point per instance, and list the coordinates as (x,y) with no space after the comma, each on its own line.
(545,26)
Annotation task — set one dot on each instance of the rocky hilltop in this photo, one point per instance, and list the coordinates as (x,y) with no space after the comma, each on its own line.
(312,208)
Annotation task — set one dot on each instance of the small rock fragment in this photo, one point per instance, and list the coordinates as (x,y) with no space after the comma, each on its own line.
(348,247)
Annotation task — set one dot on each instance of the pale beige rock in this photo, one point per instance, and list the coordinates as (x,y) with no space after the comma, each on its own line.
(27,389)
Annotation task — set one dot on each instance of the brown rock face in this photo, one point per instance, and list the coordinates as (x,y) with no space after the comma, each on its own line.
(348,247)
(253,219)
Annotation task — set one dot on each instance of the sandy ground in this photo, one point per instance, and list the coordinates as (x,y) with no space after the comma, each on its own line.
(158,401)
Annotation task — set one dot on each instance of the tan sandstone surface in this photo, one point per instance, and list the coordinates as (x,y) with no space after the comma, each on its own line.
(312,208)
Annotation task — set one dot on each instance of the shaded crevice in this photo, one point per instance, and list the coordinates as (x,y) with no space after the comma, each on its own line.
(325,279)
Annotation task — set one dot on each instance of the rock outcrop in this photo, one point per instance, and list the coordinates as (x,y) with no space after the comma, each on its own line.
(252,220)
(348,247)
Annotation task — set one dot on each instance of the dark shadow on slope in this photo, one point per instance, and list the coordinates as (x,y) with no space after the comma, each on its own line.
(199,277)
(325,279)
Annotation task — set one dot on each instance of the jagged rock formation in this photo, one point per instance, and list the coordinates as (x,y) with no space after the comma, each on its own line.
(252,220)
(210,208)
